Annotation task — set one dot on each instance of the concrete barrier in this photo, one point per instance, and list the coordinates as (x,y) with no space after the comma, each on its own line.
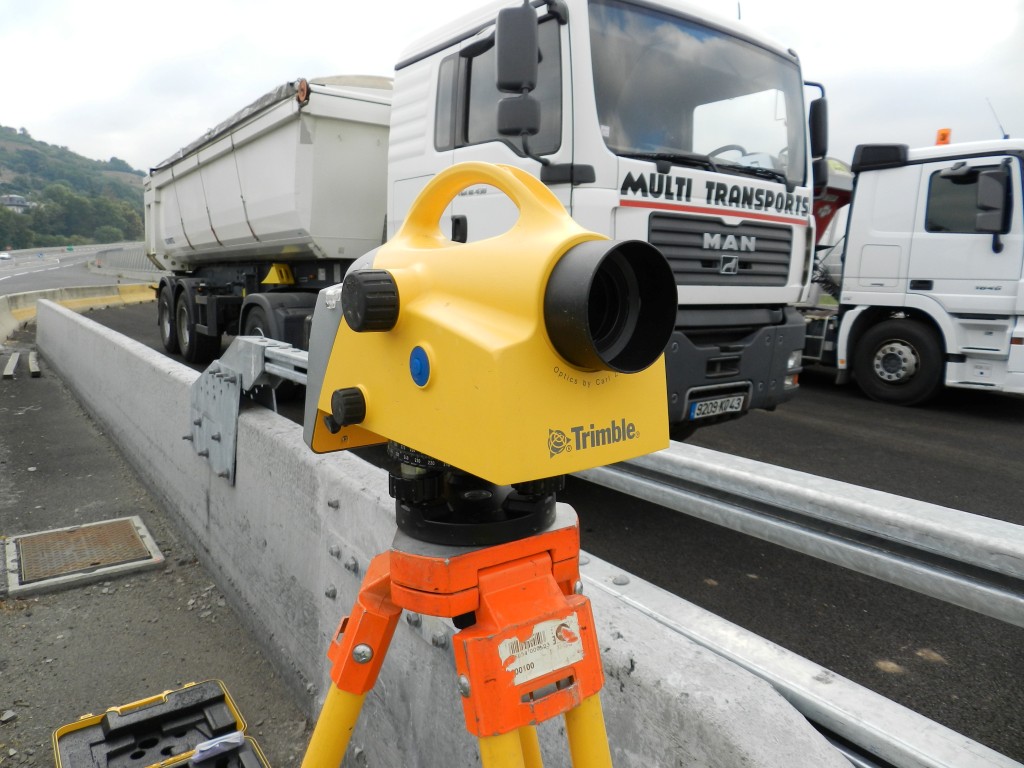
(17,309)
(288,545)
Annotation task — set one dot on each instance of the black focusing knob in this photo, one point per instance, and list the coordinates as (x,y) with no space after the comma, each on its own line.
(369,299)
(417,489)
(348,406)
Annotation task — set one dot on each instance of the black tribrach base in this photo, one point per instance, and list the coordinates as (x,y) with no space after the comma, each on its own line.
(439,504)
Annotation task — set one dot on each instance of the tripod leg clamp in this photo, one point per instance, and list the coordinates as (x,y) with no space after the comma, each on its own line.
(532,654)
(362,638)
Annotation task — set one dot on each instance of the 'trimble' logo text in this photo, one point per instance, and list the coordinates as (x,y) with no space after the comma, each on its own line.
(582,438)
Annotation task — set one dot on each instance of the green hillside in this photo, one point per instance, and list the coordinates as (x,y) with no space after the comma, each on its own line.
(71,200)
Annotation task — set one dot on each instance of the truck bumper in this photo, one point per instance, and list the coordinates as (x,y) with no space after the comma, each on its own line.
(756,366)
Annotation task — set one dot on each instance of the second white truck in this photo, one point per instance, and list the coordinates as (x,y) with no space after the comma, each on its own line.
(931,287)
(649,120)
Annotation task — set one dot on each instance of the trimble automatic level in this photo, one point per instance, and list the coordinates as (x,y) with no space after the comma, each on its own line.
(524,356)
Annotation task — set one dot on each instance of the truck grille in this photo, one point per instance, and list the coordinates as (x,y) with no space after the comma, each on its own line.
(706,252)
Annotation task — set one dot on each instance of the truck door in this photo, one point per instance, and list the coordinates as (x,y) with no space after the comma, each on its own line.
(481,211)
(951,260)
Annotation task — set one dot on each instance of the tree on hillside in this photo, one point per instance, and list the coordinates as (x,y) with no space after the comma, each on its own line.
(74,199)
(117,164)
(14,230)
(63,213)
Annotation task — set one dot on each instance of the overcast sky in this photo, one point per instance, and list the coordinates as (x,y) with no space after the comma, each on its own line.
(116,78)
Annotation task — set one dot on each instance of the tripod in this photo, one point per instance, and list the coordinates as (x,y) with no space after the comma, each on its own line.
(503,564)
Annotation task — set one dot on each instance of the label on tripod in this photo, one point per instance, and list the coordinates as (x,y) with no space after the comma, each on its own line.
(553,645)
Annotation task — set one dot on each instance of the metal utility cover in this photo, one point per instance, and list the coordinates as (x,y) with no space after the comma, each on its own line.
(37,562)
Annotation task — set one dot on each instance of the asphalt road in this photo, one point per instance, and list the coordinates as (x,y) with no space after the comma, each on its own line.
(51,270)
(963,451)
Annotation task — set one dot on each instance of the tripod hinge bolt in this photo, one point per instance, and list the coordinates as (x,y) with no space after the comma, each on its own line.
(464,686)
(578,587)
(362,654)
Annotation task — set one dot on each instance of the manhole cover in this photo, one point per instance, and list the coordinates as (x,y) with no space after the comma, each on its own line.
(50,559)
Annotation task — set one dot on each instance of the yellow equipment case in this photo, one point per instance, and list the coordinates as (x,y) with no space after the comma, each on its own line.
(194,723)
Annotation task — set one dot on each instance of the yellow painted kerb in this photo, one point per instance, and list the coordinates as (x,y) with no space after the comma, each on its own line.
(23,305)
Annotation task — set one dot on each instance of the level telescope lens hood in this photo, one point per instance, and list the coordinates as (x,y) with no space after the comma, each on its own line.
(611,305)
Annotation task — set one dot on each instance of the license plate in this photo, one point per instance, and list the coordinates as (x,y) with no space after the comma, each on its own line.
(705,408)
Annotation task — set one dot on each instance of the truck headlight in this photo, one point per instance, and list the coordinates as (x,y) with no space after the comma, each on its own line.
(796,358)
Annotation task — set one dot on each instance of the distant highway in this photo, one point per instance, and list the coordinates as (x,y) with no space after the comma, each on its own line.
(51,268)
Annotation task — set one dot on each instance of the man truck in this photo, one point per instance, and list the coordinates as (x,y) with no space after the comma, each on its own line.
(931,288)
(649,120)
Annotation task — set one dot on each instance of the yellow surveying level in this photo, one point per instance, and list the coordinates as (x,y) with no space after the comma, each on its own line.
(547,339)
(492,369)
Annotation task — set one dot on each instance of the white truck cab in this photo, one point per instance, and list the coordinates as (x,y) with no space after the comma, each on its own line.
(655,123)
(931,291)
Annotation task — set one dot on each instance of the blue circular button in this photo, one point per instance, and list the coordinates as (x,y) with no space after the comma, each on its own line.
(419,366)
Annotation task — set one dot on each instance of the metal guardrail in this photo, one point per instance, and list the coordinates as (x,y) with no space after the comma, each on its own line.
(968,560)
(253,366)
(124,258)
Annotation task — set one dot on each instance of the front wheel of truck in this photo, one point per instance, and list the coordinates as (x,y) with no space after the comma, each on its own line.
(899,362)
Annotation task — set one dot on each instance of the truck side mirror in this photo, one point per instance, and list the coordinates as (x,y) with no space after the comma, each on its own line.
(819,173)
(991,201)
(817,122)
(517,52)
(517,49)
(519,115)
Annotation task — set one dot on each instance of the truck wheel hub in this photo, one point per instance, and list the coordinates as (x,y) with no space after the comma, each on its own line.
(895,361)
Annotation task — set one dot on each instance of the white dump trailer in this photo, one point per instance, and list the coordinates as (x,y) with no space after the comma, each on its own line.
(257,215)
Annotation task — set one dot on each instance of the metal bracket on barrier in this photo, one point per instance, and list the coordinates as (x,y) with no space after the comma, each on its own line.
(253,366)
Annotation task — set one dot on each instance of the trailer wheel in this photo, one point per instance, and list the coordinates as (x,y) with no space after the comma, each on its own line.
(256,323)
(195,347)
(900,362)
(165,320)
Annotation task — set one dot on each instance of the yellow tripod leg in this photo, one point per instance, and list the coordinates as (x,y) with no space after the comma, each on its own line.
(502,751)
(588,740)
(333,729)
(531,747)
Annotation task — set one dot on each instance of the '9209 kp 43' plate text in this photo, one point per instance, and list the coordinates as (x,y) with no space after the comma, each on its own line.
(719,405)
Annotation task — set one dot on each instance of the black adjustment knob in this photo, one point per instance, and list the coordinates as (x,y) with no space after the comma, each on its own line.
(416,489)
(348,406)
(369,299)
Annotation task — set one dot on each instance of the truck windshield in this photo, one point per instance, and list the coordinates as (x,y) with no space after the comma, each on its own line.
(670,88)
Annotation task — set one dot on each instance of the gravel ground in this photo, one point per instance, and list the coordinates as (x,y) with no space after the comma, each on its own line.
(85,648)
